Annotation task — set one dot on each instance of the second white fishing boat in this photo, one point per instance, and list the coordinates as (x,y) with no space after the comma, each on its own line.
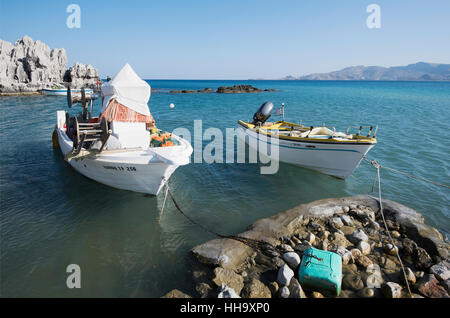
(122,147)
(318,148)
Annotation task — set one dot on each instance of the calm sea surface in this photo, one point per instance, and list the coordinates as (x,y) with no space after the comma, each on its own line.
(52,216)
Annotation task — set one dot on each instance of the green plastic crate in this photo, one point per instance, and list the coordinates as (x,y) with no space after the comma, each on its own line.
(323,275)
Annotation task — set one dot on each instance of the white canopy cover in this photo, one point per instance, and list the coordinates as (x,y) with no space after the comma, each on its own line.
(129,90)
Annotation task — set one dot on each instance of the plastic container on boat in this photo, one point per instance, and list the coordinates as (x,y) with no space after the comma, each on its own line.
(324,275)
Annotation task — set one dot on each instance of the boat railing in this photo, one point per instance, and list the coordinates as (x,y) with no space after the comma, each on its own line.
(371,133)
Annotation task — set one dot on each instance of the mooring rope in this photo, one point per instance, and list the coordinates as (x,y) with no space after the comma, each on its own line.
(405,173)
(263,246)
(378,166)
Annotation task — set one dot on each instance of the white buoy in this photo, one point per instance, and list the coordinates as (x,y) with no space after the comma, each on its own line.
(172,105)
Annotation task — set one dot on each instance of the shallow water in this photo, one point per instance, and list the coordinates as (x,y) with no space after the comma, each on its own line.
(52,217)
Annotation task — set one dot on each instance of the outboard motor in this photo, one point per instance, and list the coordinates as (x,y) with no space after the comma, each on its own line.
(262,114)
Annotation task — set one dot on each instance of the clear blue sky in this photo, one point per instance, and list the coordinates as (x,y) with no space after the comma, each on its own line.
(234,39)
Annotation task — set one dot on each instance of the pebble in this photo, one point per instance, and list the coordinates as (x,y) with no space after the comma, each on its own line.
(441,270)
(358,236)
(345,254)
(337,222)
(295,289)
(364,247)
(363,261)
(346,209)
(284,292)
(356,253)
(410,275)
(391,249)
(278,262)
(366,292)
(374,281)
(316,295)
(273,286)
(324,235)
(388,264)
(374,269)
(391,290)
(395,234)
(310,238)
(292,259)
(347,220)
(352,281)
(286,248)
(285,275)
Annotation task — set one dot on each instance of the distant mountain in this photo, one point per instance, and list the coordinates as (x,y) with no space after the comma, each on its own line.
(413,72)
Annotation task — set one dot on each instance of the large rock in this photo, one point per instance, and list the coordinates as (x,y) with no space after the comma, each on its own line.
(292,259)
(295,289)
(441,270)
(227,277)
(256,289)
(285,275)
(429,287)
(358,236)
(29,66)
(391,290)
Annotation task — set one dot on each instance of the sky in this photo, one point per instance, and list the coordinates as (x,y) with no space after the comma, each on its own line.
(246,39)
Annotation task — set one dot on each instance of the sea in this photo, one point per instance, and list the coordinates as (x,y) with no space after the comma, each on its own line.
(52,217)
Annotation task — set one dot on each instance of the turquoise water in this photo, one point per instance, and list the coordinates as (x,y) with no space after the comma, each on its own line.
(52,217)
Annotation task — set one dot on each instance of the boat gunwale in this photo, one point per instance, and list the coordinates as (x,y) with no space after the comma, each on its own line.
(311,140)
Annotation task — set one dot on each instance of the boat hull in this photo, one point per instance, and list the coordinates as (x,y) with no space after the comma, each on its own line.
(62,92)
(144,171)
(338,160)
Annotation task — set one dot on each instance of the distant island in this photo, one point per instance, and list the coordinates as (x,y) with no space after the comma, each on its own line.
(421,71)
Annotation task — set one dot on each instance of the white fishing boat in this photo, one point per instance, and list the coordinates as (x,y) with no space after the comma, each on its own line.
(62,91)
(122,147)
(318,148)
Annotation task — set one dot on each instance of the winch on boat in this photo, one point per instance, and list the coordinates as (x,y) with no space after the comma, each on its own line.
(321,148)
(122,147)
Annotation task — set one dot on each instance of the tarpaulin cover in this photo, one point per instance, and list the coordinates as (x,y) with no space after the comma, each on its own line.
(129,90)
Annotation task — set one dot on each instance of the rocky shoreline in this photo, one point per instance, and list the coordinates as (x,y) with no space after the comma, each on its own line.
(351,227)
(29,66)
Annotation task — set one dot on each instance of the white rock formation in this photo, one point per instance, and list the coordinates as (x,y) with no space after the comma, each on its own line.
(29,66)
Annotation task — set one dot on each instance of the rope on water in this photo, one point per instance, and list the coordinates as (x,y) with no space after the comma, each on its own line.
(406,174)
(262,246)
(378,166)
